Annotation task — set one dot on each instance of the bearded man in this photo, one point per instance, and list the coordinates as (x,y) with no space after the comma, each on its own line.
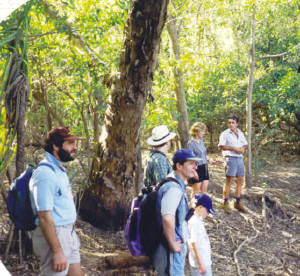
(55,240)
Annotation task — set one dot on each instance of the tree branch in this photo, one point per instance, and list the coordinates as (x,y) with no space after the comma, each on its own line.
(82,43)
(42,34)
(37,97)
(294,125)
(279,55)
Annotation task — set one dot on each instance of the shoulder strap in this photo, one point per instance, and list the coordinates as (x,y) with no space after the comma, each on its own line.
(173,179)
(167,179)
(46,165)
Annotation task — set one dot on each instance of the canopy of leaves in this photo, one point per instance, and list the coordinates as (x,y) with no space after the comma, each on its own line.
(74,49)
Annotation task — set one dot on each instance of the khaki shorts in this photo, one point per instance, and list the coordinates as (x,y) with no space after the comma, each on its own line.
(69,242)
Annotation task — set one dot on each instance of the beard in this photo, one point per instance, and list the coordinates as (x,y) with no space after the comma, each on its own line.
(64,155)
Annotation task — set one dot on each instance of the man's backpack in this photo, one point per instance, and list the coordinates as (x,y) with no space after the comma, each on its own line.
(143,231)
(18,200)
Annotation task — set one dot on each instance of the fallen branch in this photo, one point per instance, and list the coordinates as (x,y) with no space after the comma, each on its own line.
(264,211)
(124,260)
(240,247)
(292,253)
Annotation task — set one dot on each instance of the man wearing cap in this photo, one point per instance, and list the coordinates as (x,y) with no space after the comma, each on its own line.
(172,208)
(233,144)
(157,164)
(55,240)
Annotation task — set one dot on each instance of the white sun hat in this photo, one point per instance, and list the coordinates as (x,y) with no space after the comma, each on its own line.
(160,135)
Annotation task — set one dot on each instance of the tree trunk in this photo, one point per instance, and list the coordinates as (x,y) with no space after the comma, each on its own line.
(106,203)
(183,122)
(22,98)
(139,172)
(210,129)
(16,99)
(249,103)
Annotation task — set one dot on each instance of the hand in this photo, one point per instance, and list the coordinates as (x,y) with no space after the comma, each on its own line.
(176,246)
(196,176)
(201,269)
(239,150)
(59,261)
(212,162)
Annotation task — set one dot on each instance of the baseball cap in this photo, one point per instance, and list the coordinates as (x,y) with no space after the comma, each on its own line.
(183,155)
(205,201)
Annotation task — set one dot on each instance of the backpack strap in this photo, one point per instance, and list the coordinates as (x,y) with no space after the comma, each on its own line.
(173,179)
(46,165)
(165,180)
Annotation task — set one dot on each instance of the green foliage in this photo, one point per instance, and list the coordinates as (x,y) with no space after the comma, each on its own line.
(13,49)
(61,65)
(214,40)
(214,43)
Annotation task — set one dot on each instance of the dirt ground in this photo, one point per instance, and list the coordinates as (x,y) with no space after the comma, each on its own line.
(264,241)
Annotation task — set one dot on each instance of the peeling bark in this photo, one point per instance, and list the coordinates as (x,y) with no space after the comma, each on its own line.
(106,203)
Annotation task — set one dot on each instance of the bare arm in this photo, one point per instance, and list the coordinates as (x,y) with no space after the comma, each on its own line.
(168,222)
(48,229)
(201,265)
(237,150)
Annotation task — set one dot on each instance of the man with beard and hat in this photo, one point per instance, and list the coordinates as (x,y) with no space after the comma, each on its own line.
(55,240)
(157,165)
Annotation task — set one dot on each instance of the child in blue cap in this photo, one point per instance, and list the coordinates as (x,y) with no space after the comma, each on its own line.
(199,245)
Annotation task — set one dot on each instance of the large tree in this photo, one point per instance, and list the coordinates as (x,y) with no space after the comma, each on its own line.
(114,169)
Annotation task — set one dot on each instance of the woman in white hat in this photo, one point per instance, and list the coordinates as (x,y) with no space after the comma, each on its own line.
(157,164)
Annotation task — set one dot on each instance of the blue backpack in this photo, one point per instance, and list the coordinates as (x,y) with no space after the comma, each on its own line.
(143,232)
(18,200)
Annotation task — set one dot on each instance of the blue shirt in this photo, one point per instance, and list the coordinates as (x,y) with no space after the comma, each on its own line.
(51,191)
(199,150)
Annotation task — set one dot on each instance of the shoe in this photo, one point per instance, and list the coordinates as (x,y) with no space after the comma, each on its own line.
(240,207)
(226,207)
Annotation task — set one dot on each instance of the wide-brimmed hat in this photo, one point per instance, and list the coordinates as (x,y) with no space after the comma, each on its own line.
(160,135)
